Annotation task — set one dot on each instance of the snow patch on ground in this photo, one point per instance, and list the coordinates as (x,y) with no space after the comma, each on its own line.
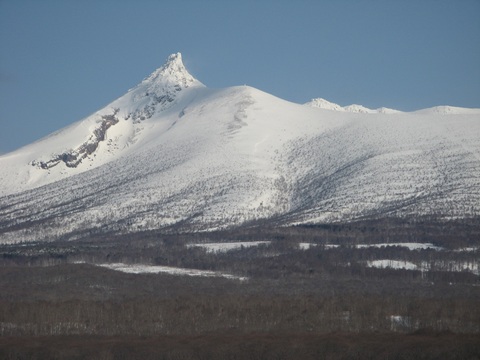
(393,264)
(305,245)
(228,246)
(467,249)
(452,266)
(410,246)
(156,269)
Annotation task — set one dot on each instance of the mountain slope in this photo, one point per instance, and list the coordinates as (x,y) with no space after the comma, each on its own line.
(173,153)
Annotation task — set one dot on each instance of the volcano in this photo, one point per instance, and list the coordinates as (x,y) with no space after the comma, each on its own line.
(175,155)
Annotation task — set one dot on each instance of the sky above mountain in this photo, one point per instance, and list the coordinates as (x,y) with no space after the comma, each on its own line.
(62,60)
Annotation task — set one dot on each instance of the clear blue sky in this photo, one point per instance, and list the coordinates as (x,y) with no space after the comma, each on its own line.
(62,60)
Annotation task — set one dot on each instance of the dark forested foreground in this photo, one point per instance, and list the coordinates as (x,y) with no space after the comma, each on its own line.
(282,299)
(219,346)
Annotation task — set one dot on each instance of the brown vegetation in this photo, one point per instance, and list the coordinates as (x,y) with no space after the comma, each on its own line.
(221,346)
(320,303)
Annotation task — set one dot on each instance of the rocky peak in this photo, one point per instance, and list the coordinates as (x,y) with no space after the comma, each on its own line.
(172,74)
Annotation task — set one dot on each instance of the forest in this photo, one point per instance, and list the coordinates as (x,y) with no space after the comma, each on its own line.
(301,292)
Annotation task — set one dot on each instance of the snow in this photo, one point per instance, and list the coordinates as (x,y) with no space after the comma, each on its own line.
(228,246)
(468,249)
(393,264)
(360,109)
(156,269)
(354,108)
(179,153)
(454,266)
(446,110)
(410,246)
(171,74)
(324,104)
(306,246)
(399,322)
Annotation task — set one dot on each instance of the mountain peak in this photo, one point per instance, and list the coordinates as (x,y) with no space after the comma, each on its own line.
(173,72)
(175,60)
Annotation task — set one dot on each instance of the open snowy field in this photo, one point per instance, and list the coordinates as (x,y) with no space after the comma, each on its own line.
(154,269)
(228,246)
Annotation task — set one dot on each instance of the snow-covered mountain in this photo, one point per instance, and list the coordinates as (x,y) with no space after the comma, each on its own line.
(172,153)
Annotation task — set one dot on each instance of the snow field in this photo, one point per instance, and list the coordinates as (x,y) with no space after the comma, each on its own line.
(228,246)
(155,269)
(410,246)
(457,266)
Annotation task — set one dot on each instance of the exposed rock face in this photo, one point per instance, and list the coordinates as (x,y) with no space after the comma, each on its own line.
(156,101)
(75,156)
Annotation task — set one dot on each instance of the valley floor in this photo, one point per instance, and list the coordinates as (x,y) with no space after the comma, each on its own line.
(374,289)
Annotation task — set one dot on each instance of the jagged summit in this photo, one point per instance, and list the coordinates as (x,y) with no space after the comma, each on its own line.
(172,73)
(161,88)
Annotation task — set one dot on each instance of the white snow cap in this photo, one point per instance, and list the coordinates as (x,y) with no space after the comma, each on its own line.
(173,72)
